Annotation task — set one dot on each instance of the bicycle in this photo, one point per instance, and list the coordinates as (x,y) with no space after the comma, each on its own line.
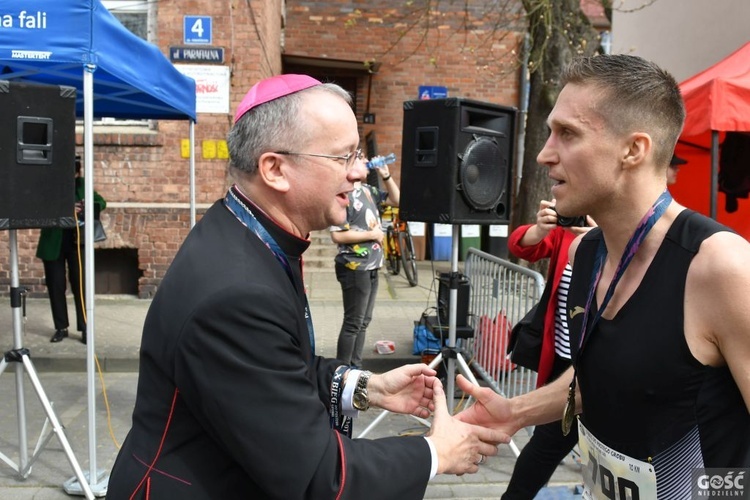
(399,247)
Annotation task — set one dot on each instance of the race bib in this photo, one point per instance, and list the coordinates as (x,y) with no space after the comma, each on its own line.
(608,473)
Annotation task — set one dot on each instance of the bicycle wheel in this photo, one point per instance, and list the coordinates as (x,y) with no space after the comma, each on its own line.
(406,244)
(392,260)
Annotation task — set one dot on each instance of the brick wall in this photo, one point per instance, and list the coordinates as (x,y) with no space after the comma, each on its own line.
(140,171)
(479,64)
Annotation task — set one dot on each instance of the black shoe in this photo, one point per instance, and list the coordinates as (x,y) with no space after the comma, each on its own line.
(83,337)
(59,335)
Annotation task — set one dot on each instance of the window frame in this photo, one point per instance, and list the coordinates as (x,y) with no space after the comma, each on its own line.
(131,7)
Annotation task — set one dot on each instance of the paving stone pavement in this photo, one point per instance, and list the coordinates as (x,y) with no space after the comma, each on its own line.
(116,328)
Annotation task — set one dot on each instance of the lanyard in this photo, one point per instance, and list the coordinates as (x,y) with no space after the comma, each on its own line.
(644,226)
(247,218)
(640,233)
(339,421)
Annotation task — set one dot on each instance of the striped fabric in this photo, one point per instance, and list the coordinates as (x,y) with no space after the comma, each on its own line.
(562,339)
(674,467)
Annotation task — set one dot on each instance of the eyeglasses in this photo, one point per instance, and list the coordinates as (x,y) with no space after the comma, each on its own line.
(348,158)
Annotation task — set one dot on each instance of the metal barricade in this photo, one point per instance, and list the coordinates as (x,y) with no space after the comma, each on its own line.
(501,294)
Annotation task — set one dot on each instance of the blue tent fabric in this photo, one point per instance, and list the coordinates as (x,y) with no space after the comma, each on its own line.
(54,41)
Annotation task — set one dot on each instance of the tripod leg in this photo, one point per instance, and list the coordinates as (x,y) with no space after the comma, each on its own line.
(466,372)
(3,456)
(44,437)
(435,362)
(464,369)
(56,427)
(374,424)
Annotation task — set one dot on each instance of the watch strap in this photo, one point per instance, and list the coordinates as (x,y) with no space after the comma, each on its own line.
(362,381)
(360,391)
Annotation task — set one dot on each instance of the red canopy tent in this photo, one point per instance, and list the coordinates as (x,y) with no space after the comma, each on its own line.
(717,101)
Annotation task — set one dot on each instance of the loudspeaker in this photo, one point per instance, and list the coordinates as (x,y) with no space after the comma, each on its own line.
(37,155)
(462,301)
(456,161)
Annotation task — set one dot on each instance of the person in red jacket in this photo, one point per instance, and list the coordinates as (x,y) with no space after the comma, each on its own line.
(547,239)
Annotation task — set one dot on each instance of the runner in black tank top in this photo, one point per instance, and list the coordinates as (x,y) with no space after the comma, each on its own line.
(664,382)
(653,400)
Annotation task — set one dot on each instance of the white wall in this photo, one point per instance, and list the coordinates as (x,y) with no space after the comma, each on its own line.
(682,36)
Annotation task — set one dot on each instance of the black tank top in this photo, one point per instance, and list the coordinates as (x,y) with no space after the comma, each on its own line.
(643,392)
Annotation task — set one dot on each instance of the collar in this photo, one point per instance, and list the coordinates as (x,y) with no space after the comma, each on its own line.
(290,244)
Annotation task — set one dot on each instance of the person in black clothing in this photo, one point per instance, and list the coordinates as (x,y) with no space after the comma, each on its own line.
(658,316)
(59,248)
(547,446)
(233,402)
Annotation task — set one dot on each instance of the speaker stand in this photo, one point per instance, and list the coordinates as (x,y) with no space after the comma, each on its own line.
(20,355)
(449,352)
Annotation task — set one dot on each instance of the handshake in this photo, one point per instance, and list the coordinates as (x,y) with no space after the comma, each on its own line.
(461,446)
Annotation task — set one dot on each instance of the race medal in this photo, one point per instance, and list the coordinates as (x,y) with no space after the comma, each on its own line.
(569,413)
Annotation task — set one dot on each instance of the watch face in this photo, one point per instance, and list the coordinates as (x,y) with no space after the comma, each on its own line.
(360,401)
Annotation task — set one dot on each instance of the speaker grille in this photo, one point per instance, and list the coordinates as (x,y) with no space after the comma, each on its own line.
(482,173)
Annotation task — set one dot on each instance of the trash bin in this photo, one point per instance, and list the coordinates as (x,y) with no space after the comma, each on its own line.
(418,232)
(471,236)
(442,238)
(495,240)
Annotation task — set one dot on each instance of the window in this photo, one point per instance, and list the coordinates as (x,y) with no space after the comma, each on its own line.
(133,14)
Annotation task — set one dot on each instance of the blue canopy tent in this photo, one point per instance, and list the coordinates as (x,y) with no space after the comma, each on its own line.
(53,41)
(79,43)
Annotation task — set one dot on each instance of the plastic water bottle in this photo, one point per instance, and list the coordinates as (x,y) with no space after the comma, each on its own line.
(380,161)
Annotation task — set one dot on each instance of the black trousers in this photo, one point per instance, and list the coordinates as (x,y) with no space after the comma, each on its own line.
(359,290)
(54,274)
(542,454)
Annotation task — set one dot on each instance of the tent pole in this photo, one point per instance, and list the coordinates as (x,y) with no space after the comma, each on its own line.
(88,154)
(192,173)
(72,486)
(714,171)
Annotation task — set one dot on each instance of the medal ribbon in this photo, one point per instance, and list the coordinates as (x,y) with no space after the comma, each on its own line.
(631,248)
(247,218)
